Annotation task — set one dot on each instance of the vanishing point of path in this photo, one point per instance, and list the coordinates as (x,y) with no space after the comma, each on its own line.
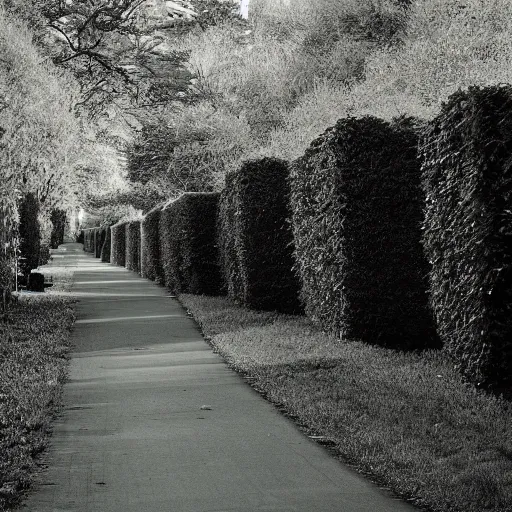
(135,435)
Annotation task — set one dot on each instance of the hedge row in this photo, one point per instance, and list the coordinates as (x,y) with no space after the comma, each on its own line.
(93,240)
(357,211)
(188,246)
(118,244)
(381,241)
(132,237)
(468,230)
(255,237)
(151,265)
(105,250)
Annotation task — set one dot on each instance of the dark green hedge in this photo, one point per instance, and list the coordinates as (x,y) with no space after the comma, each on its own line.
(188,245)
(132,260)
(58,218)
(255,237)
(151,266)
(105,250)
(118,244)
(357,211)
(30,235)
(467,179)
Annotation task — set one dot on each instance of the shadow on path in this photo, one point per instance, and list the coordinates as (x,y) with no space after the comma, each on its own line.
(155,421)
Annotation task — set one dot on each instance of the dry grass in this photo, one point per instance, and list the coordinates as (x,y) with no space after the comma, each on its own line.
(407,419)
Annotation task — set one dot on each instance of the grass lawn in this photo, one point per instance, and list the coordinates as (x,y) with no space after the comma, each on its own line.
(406,419)
(34,348)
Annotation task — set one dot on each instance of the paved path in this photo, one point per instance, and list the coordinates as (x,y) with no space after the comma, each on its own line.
(134,436)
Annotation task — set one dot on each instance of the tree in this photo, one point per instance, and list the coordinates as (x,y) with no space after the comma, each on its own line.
(121,51)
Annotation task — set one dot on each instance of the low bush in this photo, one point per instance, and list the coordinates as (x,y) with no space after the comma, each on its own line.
(132,260)
(118,244)
(255,238)
(105,250)
(357,211)
(188,245)
(468,230)
(151,265)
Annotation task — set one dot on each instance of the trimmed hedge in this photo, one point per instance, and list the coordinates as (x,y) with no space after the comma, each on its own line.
(105,249)
(255,238)
(118,244)
(151,266)
(468,230)
(188,245)
(89,240)
(357,212)
(132,260)
(100,241)
(58,218)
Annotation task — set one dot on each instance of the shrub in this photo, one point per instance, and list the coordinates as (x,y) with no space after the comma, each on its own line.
(58,218)
(105,250)
(118,244)
(357,211)
(132,260)
(255,237)
(188,244)
(467,230)
(30,237)
(151,265)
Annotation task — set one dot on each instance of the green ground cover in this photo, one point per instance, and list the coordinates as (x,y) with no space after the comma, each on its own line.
(406,419)
(34,348)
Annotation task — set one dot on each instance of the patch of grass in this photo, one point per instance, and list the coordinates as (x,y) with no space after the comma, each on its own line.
(407,419)
(34,347)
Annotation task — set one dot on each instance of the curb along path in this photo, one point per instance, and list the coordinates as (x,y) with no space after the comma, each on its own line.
(155,421)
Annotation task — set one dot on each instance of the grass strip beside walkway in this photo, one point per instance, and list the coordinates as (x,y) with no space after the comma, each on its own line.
(34,348)
(406,419)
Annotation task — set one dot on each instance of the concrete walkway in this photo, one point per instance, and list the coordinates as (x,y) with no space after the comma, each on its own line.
(154,421)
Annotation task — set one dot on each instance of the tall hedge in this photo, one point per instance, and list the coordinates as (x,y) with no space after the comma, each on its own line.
(96,243)
(357,211)
(118,244)
(100,241)
(88,240)
(151,266)
(58,218)
(105,250)
(132,260)
(467,178)
(255,237)
(30,235)
(188,245)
